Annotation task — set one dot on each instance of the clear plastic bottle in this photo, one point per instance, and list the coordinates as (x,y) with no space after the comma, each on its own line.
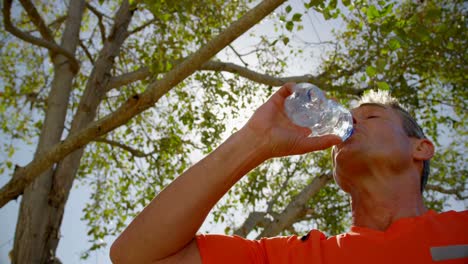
(308,107)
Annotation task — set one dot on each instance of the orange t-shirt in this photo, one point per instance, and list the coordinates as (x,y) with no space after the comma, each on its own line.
(432,238)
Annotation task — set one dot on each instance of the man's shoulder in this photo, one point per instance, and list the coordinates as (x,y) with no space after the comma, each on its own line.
(452,214)
(449,219)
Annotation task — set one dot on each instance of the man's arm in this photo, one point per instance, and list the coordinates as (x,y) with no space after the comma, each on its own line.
(169,223)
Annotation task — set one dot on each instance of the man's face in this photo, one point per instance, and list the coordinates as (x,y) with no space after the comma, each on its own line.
(378,142)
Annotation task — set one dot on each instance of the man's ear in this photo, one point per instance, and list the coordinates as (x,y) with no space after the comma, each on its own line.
(423,149)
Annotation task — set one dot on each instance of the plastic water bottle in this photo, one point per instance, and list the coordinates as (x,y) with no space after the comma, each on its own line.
(308,107)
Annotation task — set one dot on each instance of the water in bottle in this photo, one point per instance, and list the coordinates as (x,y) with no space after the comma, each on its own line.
(309,107)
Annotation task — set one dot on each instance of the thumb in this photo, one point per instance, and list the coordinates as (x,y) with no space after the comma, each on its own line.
(320,143)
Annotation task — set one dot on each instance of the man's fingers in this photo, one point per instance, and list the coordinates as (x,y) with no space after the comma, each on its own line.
(286,90)
(320,143)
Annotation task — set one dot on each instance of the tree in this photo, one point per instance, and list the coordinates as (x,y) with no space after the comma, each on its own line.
(95,120)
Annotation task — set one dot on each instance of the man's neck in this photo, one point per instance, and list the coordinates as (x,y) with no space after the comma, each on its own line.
(377,208)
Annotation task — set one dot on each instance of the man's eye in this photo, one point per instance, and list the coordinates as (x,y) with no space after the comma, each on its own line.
(371,117)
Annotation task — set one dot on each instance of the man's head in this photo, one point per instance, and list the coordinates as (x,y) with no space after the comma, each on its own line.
(384,132)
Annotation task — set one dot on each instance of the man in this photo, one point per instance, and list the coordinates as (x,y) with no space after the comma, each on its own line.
(383,167)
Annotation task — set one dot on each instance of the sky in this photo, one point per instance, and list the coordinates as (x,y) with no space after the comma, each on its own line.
(73,232)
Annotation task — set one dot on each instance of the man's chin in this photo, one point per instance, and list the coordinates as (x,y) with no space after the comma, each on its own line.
(347,157)
(349,147)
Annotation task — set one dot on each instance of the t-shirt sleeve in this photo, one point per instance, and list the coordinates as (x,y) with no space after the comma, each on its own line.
(229,249)
(235,249)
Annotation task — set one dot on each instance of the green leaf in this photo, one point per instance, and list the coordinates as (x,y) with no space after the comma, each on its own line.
(288,9)
(289,25)
(371,71)
(433,13)
(326,14)
(381,63)
(394,44)
(387,9)
(285,40)
(372,13)
(450,46)
(165,17)
(421,33)
(313,3)
(383,86)
(297,17)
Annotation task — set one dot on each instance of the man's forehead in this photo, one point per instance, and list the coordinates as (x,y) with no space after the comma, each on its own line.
(369,106)
(372,105)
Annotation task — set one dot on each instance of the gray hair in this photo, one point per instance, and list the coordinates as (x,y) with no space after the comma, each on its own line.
(410,126)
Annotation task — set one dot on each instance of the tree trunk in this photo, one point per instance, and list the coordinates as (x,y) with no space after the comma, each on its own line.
(95,90)
(54,188)
(32,229)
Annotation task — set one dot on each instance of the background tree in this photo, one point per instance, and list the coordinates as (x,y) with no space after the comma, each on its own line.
(136,92)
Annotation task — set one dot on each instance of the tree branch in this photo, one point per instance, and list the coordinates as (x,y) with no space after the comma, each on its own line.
(134,152)
(239,56)
(273,200)
(262,78)
(128,78)
(254,219)
(296,207)
(99,16)
(253,51)
(37,20)
(86,51)
(97,12)
(140,28)
(136,104)
(52,47)
(54,24)
(458,192)
(57,22)
(255,76)
(295,210)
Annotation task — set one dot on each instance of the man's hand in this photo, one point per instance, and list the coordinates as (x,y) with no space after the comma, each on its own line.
(278,135)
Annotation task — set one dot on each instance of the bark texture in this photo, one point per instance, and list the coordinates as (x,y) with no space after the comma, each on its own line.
(66,169)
